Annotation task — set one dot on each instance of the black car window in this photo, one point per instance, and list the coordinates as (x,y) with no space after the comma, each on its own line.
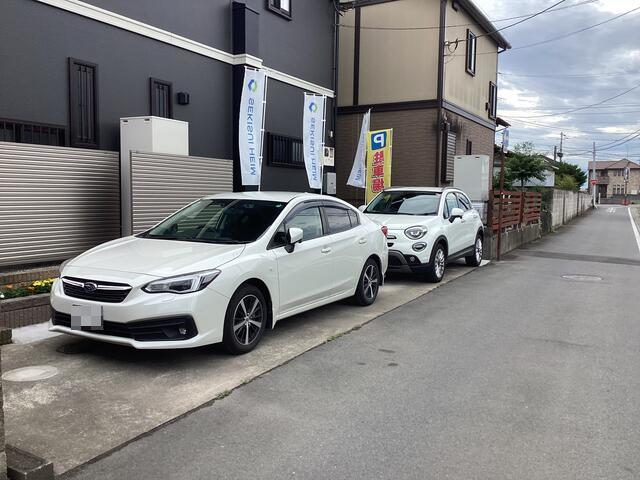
(355,220)
(464,202)
(450,203)
(338,219)
(309,220)
(218,220)
(399,202)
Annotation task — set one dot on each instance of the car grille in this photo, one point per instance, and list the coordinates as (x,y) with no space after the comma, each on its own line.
(394,261)
(161,329)
(95,290)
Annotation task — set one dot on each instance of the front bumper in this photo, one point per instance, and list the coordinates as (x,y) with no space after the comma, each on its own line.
(406,263)
(148,321)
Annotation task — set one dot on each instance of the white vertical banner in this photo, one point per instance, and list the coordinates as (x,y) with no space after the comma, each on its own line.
(251,129)
(358,177)
(313,137)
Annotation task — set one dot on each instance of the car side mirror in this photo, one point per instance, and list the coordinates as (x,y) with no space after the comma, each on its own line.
(455,213)
(362,208)
(294,235)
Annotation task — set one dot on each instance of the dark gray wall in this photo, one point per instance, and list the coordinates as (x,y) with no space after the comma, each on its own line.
(34,72)
(284,117)
(34,78)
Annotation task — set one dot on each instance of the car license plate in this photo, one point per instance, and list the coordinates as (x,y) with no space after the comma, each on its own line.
(86,317)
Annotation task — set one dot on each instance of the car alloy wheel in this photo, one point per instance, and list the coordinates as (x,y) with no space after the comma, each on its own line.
(439,263)
(247,319)
(478,250)
(370,282)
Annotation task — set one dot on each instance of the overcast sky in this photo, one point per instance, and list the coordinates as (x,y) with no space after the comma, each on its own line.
(536,84)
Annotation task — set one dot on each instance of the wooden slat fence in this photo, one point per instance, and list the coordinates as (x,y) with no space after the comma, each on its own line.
(518,208)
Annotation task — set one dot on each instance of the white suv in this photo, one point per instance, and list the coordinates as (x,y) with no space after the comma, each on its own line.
(427,227)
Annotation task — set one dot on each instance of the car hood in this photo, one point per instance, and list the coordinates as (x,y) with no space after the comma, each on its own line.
(400,222)
(154,257)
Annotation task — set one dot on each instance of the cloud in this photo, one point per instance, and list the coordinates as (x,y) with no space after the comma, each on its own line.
(538,84)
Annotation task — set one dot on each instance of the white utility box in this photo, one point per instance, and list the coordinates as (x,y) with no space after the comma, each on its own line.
(471,174)
(151,135)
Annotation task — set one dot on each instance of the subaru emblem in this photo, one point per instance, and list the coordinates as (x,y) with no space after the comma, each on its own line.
(90,287)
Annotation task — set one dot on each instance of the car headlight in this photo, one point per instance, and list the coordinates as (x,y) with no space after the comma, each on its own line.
(192,282)
(414,233)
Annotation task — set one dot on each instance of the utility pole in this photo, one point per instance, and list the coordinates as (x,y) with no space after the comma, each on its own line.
(594,175)
(555,152)
(560,153)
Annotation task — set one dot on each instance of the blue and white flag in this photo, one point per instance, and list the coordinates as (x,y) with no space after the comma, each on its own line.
(252,105)
(313,137)
(358,177)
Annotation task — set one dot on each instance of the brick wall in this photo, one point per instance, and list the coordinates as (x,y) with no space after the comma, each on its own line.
(482,138)
(414,148)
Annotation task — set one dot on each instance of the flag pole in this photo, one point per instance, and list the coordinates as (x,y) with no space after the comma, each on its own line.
(324,122)
(264,119)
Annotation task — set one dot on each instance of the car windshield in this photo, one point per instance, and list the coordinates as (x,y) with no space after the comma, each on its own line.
(218,221)
(405,203)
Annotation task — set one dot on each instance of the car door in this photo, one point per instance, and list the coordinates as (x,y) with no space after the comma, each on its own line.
(454,230)
(304,274)
(348,244)
(469,219)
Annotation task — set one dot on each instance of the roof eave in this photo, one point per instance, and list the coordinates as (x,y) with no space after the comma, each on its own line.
(485,23)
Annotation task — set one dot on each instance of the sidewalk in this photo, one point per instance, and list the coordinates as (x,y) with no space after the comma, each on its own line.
(104,396)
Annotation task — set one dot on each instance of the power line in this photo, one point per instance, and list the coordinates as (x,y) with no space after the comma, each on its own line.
(549,40)
(436,27)
(576,31)
(522,21)
(592,105)
(577,75)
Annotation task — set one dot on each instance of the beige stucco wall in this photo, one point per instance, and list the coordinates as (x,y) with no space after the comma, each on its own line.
(398,65)
(462,89)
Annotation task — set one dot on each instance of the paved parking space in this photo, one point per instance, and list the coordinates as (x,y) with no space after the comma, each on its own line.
(104,396)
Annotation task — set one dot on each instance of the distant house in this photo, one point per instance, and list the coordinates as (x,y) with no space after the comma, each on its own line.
(612,181)
(427,69)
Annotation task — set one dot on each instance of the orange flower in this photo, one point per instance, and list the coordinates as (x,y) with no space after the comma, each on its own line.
(8,287)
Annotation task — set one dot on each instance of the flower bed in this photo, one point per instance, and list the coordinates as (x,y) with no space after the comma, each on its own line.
(33,288)
(25,304)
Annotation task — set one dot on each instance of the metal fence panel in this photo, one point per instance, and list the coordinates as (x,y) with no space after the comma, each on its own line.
(55,202)
(162,184)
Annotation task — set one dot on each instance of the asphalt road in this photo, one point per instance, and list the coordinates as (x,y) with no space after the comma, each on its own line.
(510,372)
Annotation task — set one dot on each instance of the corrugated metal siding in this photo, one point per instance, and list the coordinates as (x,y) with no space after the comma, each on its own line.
(162,184)
(56,202)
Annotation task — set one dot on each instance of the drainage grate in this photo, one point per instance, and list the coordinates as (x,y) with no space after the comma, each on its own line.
(582,278)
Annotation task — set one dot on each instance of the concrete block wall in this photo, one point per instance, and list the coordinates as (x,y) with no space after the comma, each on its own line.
(567,205)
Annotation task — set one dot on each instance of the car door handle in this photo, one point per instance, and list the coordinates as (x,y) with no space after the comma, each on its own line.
(362,241)
(326,250)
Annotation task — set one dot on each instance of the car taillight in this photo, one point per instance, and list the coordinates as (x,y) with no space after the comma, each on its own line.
(385,230)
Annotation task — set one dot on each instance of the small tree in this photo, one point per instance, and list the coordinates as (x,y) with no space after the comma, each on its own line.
(566,182)
(571,170)
(523,164)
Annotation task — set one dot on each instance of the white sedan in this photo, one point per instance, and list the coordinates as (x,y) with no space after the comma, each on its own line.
(428,227)
(222,269)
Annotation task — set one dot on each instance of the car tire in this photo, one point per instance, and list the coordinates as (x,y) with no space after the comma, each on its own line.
(438,264)
(368,283)
(245,320)
(475,259)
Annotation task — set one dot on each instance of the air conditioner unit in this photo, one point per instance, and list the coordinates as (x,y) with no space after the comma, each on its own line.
(150,135)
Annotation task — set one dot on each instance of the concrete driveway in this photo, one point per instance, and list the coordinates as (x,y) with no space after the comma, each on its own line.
(527,369)
(104,396)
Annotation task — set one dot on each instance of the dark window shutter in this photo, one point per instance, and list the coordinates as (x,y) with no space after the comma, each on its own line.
(449,153)
(83,104)
(161,98)
(283,151)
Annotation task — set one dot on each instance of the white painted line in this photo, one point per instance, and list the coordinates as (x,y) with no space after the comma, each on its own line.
(634,227)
